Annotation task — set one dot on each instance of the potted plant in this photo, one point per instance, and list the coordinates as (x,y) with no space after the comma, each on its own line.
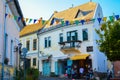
(6,60)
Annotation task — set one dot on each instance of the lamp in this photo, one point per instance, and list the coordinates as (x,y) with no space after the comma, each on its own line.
(20,45)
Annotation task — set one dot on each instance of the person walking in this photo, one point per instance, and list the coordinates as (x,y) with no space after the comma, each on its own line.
(81,71)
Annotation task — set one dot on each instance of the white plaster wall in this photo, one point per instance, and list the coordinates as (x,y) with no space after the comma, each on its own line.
(101,60)
(31,53)
(12,29)
(55,47)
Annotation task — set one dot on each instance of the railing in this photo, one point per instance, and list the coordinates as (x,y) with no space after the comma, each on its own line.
(70,44)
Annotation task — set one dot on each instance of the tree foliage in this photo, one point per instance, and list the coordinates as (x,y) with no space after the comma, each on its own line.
(109,41)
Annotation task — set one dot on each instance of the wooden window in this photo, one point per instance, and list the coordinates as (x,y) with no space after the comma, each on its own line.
(34,44)
(61,37)
(45,43)
(85,34)
(28,45)
(49,41)
(34,61)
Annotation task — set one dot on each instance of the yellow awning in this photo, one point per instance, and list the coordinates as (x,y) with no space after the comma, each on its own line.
(79,56)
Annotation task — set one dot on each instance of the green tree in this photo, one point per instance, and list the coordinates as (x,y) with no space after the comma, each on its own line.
(109,41)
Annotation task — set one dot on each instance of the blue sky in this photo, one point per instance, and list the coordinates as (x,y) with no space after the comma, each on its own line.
(44,8)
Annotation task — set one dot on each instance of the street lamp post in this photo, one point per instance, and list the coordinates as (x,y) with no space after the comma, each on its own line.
(19,55)
(24,51)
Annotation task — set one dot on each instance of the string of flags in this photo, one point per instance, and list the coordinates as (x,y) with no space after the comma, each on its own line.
(58,21)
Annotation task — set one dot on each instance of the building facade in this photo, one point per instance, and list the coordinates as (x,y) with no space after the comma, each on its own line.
(29,40)
(68,41)
(9,34)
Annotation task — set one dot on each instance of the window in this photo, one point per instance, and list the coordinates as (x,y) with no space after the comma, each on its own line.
(47,42)
(85,34)
(6,44)
(34,44)
(61,37)
(72,36)
(11,52)
(81,13)
(28,45)
(89,48)
(34,61)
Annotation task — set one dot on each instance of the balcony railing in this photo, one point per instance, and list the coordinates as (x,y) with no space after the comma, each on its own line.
(70,44)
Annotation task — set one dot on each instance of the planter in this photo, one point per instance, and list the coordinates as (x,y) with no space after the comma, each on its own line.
(6,60)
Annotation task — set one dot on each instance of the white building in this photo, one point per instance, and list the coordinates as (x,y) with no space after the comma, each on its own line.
(9,32)
(29,40)
(68,45)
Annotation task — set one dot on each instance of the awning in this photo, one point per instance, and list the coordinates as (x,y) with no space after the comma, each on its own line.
(79,56)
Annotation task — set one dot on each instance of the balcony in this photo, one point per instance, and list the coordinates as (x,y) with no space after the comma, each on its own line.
(70,47)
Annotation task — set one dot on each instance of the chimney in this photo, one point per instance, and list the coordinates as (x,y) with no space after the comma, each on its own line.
(40,20)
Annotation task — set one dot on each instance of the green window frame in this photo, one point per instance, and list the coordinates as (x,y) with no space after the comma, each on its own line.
(61,37)
(85,34)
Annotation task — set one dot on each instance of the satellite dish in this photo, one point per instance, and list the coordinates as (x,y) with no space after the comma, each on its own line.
(24,50)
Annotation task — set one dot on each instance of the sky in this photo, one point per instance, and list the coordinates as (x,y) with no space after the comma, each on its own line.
(45,8)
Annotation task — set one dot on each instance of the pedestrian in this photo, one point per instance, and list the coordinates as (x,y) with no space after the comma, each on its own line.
(91,73)
(73,73)
(81,71)
(109,74)
(69,72)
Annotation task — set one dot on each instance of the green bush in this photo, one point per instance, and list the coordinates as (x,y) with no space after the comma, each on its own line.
(32,74)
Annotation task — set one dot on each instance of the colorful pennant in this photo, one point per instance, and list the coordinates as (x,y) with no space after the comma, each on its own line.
(61,21)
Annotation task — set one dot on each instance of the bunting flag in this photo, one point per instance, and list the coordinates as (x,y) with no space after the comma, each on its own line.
(93,20)
(87,20)
(56,20)
(61,21)
(67,23)
(76,22)
(52,22)
(117,17)
(104,19)
(26,19)
(15,17)
(10,16)
(99,20)
(35,20)
(30,20)
(19,18)
(43,21)
(71,22)
(23,19)
(6,15)
(111,18)
(82,21)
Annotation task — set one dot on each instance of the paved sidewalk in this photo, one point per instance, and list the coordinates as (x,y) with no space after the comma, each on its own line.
(56,78)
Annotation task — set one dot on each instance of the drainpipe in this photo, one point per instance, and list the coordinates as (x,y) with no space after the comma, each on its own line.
(38,50)
(4,44)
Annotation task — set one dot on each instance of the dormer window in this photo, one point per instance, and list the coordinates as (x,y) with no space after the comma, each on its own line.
(81,13)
